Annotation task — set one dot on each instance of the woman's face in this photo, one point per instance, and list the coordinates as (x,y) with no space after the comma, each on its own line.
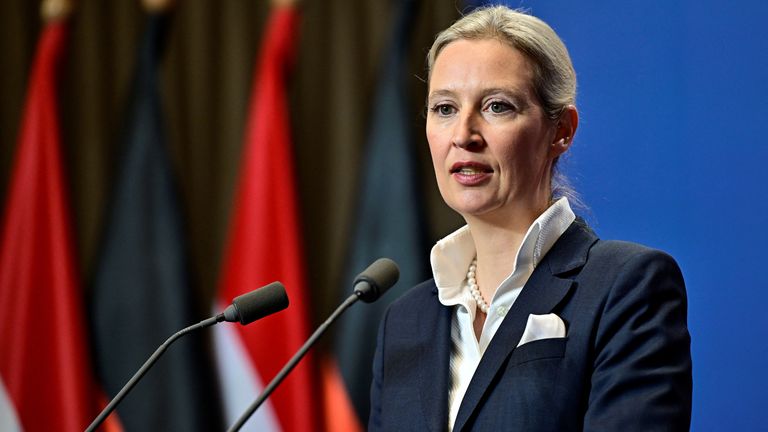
(492,145)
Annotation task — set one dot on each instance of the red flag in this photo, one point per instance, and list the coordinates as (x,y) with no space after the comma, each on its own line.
(44,360)
(264,246)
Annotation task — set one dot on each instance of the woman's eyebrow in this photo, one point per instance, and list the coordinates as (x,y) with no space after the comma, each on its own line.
(511,92)
(440,93)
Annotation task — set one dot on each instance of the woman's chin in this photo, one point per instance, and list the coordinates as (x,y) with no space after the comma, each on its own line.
(473,208)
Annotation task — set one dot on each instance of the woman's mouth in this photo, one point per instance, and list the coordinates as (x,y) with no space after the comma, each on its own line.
(471,173)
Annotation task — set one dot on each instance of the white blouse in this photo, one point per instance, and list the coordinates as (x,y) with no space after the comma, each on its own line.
(450,259)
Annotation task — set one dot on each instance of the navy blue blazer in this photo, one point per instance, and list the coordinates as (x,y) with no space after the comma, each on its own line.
(624,365)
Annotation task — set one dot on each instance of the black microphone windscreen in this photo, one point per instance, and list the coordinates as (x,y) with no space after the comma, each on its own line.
(376,279)
(257,304)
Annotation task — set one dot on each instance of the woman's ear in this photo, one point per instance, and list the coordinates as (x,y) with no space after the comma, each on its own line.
(566,128)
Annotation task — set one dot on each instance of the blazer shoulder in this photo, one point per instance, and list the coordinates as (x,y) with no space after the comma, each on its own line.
(611,251)
(415,298)
(619,253)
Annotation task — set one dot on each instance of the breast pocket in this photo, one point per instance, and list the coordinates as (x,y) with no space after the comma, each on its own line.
(538,350)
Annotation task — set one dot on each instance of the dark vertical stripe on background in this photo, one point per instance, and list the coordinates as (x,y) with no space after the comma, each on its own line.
(389,214)
(142,291)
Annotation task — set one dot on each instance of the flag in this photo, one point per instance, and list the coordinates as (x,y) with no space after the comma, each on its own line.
(141,291)
(46,381)
(263,246)
(388,221)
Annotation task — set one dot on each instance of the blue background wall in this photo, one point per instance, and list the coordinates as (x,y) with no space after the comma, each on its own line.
(671,152)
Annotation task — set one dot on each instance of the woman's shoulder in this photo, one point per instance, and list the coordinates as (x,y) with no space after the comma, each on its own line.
(609,254)
(622,252)
(416,297)
(628,262)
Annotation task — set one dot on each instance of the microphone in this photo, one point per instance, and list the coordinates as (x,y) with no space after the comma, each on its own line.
(376,280)
(256,304)
(245,309)
(368,287)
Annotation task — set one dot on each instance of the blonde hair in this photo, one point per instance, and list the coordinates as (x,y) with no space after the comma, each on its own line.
(554,77)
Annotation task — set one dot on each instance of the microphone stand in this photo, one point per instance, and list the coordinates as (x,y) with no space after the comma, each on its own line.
(292,363)
(148,364)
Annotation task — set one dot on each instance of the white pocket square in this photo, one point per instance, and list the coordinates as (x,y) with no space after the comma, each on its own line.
(542,327)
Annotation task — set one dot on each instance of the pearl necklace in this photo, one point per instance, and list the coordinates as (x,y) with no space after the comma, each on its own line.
(474,290)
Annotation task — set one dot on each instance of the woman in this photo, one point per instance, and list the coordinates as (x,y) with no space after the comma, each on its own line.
(531,322)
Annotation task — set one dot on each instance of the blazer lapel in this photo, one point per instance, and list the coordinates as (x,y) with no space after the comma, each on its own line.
(541,294)
(433,366)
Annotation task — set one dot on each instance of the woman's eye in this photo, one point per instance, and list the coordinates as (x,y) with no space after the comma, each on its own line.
(499,107)
(443,109)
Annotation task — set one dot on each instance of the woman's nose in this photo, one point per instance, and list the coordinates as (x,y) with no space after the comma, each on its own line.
(466,134)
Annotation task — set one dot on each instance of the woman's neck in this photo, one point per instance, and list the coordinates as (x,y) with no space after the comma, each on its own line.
(497,241)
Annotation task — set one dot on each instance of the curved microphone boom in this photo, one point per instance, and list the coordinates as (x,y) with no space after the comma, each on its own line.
(245,309)
(368,287)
